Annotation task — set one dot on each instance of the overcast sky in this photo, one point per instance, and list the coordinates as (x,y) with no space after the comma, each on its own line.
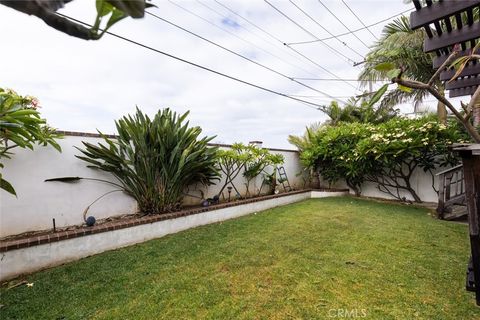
(86,85)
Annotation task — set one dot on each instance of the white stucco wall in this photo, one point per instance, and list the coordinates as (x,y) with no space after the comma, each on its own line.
(421,183)
(39,202)
(292,168)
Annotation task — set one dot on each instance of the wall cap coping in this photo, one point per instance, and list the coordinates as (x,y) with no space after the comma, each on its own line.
(97,135)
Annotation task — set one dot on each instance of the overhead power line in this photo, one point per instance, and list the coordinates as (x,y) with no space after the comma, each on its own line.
(320,66)
(273,44)
(310,33)
(239,55)
(280,41)
(343,24)
(256,26)
(250,22)
(332,79)
(326,30)
(353,31)
(312,61)
(233,34)
(318,97)
(362,95)
(310,104)
(360,20)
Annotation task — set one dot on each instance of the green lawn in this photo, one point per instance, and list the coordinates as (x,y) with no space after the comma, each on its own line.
(301,261)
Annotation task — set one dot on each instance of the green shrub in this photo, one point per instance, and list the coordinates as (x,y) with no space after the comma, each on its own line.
(332,152)
(156,159)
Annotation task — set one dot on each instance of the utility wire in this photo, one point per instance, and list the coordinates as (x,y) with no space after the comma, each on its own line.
(308,32)
(360,20)
(310,104)
(260,37)
(239,55)
(326,30)
(331,79)
(365,94)
(318,65)
(250,22)
(343,24)
(310,60)
(257,27)
(230,33)
(318,97)
(353,31)
(280,41)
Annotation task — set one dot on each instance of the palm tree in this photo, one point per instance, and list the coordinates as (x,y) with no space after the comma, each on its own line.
(304,141)
(402,47)
(360,109)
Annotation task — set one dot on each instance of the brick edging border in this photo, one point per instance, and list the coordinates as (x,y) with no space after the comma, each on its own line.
(9,245)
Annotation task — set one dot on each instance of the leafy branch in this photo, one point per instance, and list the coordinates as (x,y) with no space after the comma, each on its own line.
(115,10)
(21,127)
(468,109)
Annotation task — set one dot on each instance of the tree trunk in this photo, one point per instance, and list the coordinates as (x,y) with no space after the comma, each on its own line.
(415,196)
(355,188)
(441,113)
(442,110)
(476,114)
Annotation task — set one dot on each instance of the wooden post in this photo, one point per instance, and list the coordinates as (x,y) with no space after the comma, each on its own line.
(471,168)
(441,197)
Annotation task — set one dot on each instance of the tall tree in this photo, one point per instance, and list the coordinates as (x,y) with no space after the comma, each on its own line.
(402,47)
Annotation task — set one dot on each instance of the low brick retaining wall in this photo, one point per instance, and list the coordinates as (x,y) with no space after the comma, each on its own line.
(38,252)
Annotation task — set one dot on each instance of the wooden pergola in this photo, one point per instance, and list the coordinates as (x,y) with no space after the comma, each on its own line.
(454,25)
(448,23)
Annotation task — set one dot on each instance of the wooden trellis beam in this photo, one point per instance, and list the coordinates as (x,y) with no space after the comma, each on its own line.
(438,61)
(438,11)
(466,33)
(462,83)
(462,92)
(470,70)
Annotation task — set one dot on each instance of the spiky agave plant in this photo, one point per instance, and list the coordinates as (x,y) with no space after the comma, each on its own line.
(155,159)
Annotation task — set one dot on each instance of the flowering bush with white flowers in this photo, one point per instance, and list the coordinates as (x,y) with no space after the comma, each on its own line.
(401,145)
(386,154)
